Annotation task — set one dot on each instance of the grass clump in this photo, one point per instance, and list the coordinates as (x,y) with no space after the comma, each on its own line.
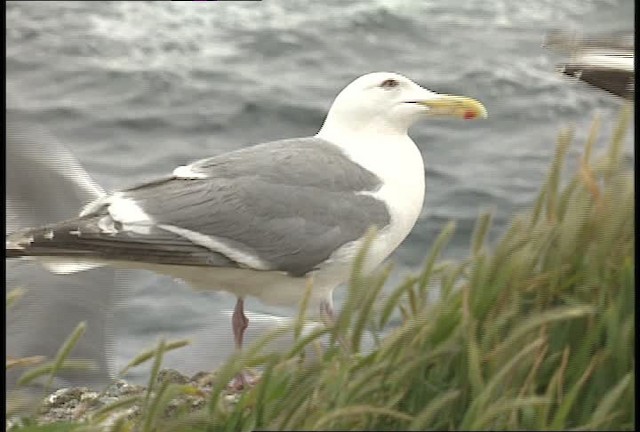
(536,332)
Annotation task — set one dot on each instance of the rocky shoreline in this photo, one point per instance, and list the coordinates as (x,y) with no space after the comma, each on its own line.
(81,404)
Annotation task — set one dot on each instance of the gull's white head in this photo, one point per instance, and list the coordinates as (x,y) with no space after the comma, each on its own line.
(384,102)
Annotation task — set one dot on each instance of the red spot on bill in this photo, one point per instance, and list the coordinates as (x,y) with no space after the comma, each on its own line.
(469,115)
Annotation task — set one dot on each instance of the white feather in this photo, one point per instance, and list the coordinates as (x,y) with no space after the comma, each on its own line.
(217,245)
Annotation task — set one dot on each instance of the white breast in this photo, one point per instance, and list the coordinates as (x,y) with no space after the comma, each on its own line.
(398,163)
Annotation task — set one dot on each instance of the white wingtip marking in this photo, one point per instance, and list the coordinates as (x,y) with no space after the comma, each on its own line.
(16,242)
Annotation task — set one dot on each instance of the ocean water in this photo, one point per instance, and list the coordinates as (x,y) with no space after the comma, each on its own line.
(137,88)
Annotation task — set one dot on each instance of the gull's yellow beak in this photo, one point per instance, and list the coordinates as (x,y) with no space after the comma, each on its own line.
(455,106)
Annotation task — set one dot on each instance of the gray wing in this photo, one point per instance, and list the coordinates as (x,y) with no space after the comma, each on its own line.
(286,205)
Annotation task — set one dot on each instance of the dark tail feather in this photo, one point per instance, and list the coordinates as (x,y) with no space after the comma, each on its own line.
(82,239)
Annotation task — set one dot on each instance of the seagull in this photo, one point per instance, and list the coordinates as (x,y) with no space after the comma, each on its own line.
(267,220)
(603,61)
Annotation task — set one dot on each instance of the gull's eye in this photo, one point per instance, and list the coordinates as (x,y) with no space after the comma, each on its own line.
(389,83)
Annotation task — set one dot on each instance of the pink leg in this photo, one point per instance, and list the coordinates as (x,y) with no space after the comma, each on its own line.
(326,311)
(329,316)
(239,323)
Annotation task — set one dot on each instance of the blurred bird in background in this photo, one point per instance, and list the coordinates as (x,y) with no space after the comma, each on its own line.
(603,61)
(45,182)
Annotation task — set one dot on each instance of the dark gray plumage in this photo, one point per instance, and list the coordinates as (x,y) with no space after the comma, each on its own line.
(289,203)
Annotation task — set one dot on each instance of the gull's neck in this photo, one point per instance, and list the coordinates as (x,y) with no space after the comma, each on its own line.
(340,132)
(388,152)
